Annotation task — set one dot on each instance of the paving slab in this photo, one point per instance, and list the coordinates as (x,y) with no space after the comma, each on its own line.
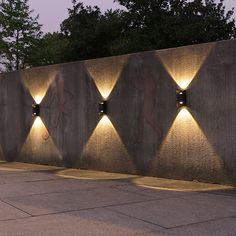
(90,222)
(75,200)
(221,227)
(6,171)
(17,189)
(8,212)
(26,177)
(228,192)
(184,210)
(158,193)
(39,200)
(18,166)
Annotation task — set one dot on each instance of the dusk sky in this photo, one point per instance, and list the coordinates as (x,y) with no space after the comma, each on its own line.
(53,12)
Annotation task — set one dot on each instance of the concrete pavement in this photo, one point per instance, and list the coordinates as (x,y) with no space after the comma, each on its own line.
(44,200)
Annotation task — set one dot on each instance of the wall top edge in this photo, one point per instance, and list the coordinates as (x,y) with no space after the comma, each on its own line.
(119,56)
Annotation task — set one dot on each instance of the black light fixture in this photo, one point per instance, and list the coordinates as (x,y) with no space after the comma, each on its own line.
(103,107)
(181,97)
(35,110)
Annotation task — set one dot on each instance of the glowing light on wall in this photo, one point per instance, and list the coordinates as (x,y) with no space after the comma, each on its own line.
(38,126)
(186,148)
(39,145)
(38,98)
(106,73)
(37,81)
(106,149)
(184,63)
(104,123)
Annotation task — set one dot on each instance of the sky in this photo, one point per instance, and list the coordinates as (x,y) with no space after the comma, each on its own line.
(53,12)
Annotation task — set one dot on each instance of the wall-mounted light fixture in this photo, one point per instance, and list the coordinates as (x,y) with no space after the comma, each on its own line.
(35,110)
(181,97)
(103,107)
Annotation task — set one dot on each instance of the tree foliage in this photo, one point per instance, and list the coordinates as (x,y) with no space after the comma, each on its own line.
(51,49)
(90,32)
(156,24)
(145,25)
(19,33)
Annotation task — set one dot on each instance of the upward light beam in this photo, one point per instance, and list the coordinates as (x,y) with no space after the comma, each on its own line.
(105,73)
(183,63)
(37,81)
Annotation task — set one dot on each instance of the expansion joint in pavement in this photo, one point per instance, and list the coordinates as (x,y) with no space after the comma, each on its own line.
(17,208)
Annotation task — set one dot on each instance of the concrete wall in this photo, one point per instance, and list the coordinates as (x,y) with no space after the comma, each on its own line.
(143,133)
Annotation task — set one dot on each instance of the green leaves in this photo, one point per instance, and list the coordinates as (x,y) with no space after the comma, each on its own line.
(50,49)
(19,33)
(171,23)
(145,25)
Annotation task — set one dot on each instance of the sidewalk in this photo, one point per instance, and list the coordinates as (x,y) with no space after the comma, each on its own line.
(44,200)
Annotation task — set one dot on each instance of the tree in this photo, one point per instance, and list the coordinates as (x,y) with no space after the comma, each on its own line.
(156,24)
(90,33)
(51,50)
(20,33)
(144,25)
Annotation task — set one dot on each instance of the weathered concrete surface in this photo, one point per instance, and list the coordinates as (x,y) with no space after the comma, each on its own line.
(143,133)
(37,201)
(15,118)
(212,97)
